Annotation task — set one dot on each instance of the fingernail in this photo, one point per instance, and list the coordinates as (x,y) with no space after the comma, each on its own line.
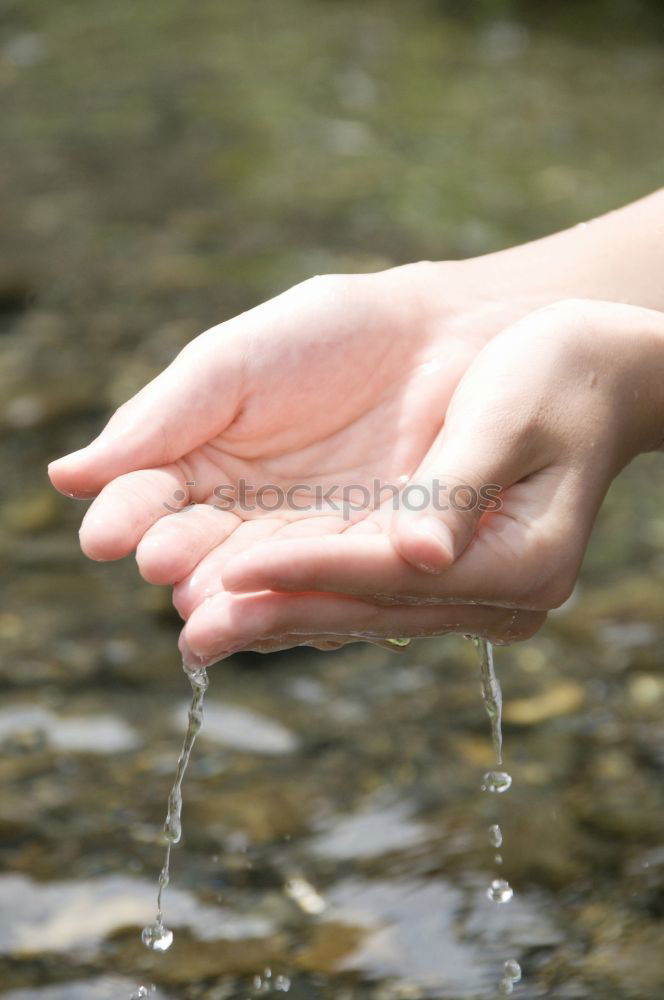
(190,659)
(440,534)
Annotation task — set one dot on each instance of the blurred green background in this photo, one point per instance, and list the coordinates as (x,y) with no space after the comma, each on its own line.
(165,166)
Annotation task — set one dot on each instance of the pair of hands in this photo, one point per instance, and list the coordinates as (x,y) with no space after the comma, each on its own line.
(417,377)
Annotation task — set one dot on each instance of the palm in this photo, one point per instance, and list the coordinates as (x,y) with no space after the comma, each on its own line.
(330,385)
(332,396)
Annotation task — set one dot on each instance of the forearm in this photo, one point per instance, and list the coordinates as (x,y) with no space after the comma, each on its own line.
(618,257)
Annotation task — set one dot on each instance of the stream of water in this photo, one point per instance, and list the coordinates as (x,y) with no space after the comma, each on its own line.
(157,936)
(497,782)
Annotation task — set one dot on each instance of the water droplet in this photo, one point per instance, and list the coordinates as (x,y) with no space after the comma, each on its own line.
(496,782)
(498,858)
(156,937)
(500,891)
(173,828)
(495,836)
(282,984)
(511,975)
(512,970)
(140,993)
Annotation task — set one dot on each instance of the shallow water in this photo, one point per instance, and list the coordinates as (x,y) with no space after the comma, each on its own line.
(164,170)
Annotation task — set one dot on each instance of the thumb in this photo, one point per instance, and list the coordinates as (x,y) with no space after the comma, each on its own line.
(460,482)
(189,402)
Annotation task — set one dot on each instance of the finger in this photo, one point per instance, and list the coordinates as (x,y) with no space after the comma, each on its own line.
(479,455)
(193,399)
(206,577)
(279,643)
(227,623)
(325,643)
(125,509)
(172,548)
(360,565)
(367,565)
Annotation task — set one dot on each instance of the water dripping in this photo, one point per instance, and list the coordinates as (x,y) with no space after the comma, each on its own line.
(511,976)
(496,782)
(492,696)
(500,891)
(495,836)
(156,936)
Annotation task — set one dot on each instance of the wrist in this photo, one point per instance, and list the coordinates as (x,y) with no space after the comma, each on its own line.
(481,296)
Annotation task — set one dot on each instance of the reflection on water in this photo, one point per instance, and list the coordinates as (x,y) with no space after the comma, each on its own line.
(76,916)
(106,988)
(371,833)
(84,734)
(167,165)
(243,729)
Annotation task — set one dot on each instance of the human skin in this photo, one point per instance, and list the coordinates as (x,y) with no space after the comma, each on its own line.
(348,378)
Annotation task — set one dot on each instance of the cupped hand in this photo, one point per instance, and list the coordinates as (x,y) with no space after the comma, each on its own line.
(550,411)
(330,385)
(337,384)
